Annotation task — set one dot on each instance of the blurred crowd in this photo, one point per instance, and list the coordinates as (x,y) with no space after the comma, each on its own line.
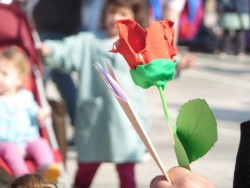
(201,20)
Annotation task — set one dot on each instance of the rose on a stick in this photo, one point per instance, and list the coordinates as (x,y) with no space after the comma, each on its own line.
(150,55)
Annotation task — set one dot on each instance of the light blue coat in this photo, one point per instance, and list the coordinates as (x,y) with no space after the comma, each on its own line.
(102,131)
(18,118)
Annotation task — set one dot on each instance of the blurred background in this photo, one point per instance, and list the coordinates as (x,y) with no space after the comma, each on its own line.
(220,75)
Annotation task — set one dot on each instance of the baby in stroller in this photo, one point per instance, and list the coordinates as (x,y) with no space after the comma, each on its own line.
(20,117)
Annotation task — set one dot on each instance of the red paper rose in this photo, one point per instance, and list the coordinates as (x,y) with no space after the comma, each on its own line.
(140,46)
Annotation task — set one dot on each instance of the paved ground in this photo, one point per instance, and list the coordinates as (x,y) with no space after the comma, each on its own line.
(225,84)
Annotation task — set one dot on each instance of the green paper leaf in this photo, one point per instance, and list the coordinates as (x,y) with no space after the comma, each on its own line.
(156,73)
(196,128)
(180,153)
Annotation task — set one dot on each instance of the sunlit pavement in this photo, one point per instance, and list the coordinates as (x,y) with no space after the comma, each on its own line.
(225,84)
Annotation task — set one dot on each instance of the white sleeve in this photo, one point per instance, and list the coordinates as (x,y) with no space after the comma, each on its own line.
(177,5)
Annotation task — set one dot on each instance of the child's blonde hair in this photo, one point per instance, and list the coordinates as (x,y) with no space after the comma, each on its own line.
(17,58)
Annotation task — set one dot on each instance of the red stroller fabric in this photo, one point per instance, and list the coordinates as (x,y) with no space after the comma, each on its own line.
(15,30)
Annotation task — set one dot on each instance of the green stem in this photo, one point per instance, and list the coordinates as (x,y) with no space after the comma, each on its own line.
(165,108)
(179,150)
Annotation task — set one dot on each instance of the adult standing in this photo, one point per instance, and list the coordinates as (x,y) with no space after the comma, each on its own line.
(55,19)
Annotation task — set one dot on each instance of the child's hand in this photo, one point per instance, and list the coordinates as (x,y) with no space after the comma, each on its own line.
(187,61)
(44,50)
(43,114)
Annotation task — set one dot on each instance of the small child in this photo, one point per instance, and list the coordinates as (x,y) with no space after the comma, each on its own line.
(19,118)
(103,132)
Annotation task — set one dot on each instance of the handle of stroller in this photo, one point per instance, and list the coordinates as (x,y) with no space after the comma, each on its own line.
(44,104)
(36,38)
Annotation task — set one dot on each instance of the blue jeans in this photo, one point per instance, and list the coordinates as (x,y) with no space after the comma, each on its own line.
(63,81)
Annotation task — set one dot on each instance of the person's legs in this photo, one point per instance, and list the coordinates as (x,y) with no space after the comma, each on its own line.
(67,89)
(12,155)
(59,124)
(226,41)
(41,152)
(240,42)
(126,173)
(85,174)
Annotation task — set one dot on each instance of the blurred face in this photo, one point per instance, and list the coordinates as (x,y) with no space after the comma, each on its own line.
(114,13)
(10,79)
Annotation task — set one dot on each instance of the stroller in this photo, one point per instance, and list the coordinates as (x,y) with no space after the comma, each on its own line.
(15,30)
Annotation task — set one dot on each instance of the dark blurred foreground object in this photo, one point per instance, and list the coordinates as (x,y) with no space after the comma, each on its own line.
(242,165)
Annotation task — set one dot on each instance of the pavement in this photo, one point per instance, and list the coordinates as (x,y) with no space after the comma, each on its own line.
(225,84)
